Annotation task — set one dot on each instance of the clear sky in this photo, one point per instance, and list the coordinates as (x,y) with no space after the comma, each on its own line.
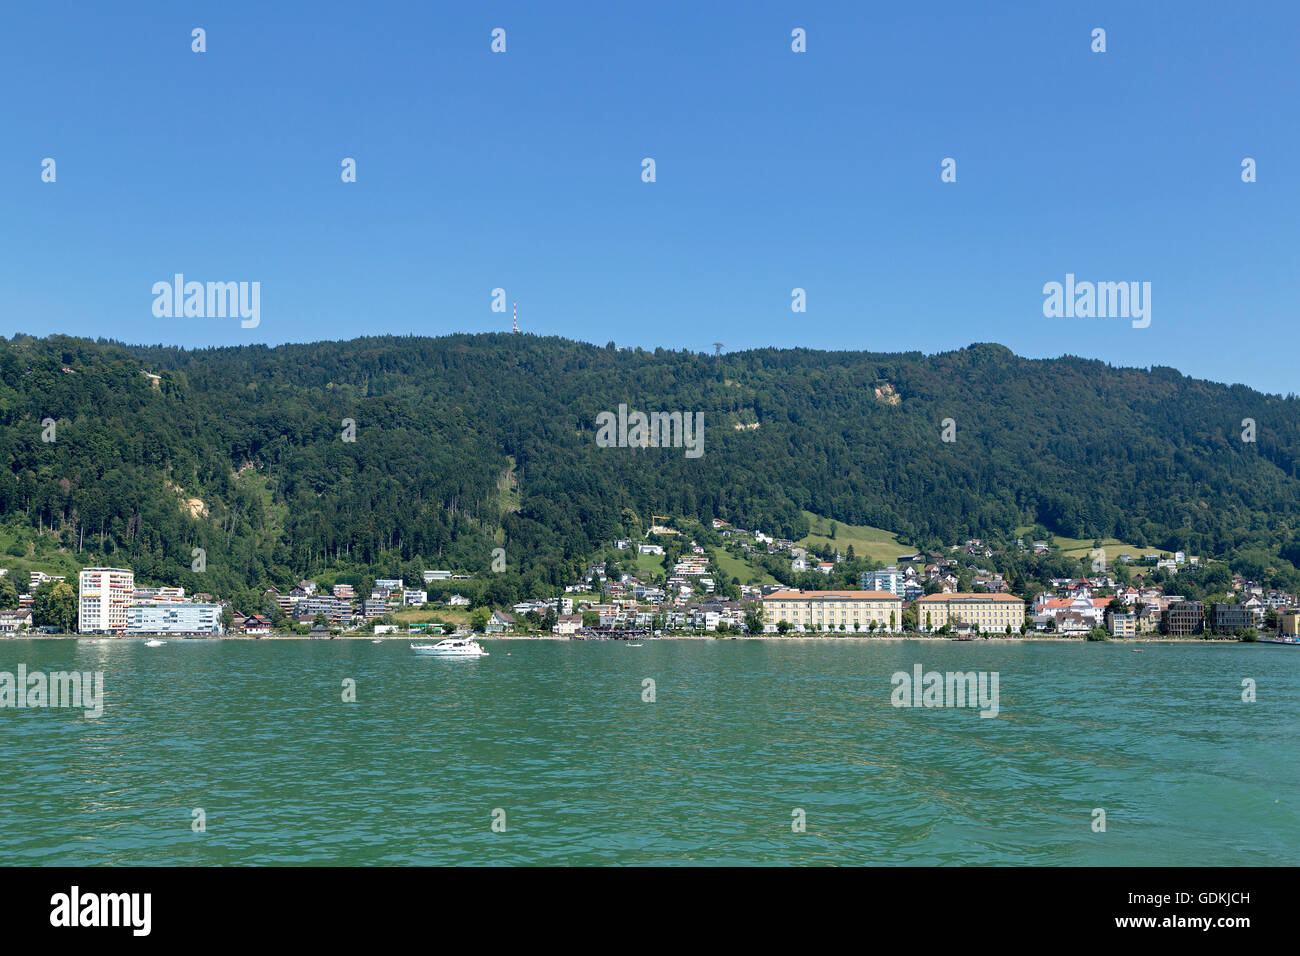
(775,170)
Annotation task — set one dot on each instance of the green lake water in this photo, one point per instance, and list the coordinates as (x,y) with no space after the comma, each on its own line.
(741,735)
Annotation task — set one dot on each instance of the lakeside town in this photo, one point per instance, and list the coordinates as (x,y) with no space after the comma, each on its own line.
(669,585)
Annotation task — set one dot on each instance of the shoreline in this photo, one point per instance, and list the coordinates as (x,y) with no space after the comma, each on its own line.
(385,638)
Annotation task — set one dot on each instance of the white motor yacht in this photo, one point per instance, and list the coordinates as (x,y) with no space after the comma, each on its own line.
(451,647)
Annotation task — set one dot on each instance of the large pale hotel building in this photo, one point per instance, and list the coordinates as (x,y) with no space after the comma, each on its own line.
(984,612)
(837,611)
(105,595)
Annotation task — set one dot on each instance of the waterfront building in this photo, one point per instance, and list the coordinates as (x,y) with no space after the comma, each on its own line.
(568,624)
(1149,619)
(1183,618)
(12,621)
(990,613)
(1226,618)
(257,624)
(1073,624)
(336,612)
(1123,625)
(173,617)
(828,610)
(1047,606)
(105,594)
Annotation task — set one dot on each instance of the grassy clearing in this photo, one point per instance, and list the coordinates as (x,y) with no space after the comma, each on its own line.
(1082,547)
(277,515)
(734,567)
(650,564)
(508,489)
(22,550)
(875,544)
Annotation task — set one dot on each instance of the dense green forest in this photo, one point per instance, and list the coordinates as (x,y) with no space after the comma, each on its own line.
(467,443)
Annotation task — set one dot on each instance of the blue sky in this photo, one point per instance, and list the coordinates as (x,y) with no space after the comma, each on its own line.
(775,170)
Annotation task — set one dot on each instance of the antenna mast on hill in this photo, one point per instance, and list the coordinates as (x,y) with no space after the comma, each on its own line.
(717,348)
(516,316)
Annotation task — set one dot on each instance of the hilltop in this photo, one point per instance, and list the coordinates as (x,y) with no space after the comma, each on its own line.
(465,443)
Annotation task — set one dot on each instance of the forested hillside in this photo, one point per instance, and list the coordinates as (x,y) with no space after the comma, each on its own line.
(466,443)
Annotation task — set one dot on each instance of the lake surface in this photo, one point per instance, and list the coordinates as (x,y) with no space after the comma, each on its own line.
(741,734)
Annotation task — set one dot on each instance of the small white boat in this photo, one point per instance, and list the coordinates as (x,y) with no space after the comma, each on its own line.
(376,641)
(634,645)
(154,643)
(451,647)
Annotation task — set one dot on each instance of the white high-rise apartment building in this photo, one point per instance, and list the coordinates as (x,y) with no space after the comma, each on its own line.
(105,596)
(889,579)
